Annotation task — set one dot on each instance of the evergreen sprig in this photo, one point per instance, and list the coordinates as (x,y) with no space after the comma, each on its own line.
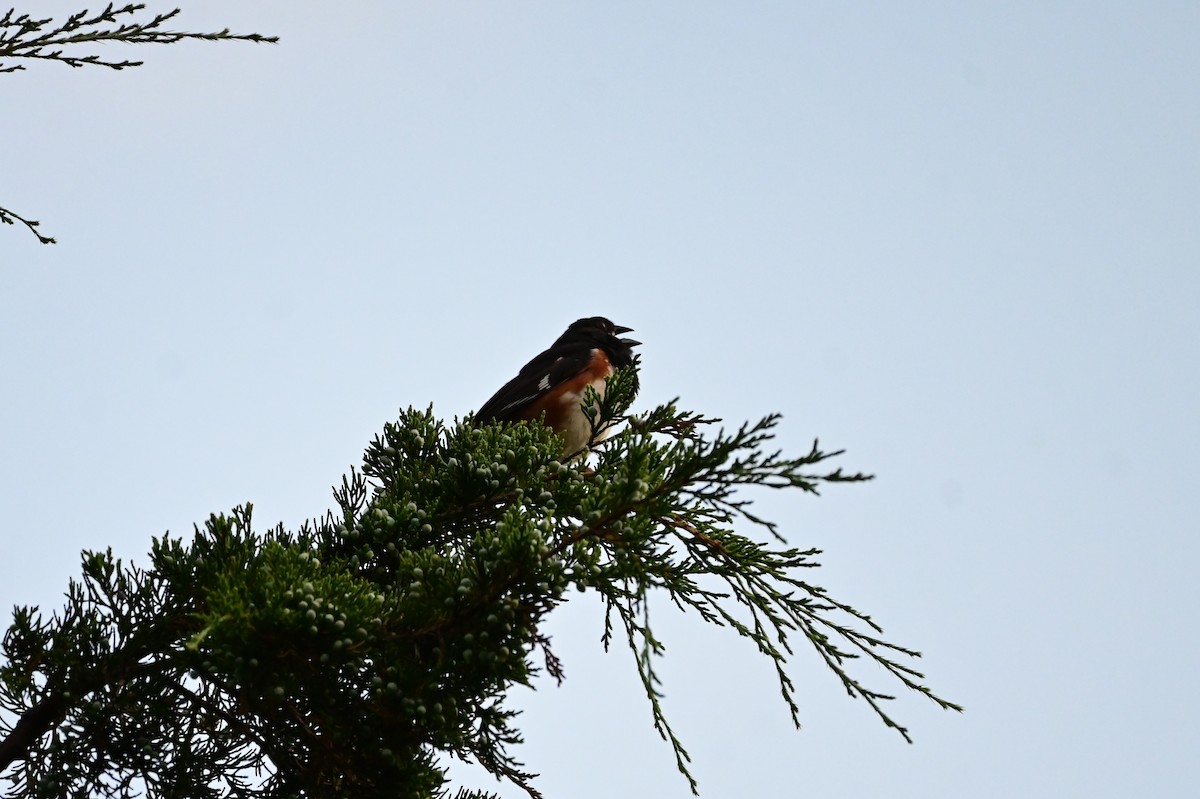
(343,658)
(23,36)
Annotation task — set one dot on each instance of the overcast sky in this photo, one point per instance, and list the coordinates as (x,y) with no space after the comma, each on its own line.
(957,239)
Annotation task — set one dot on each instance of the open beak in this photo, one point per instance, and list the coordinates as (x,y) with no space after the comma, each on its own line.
(628,342)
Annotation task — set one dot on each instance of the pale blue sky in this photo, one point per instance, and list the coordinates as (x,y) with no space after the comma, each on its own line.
(959,240)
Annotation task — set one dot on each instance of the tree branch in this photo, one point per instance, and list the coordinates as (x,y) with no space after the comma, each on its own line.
(10,218)
(23,36)
(35,723)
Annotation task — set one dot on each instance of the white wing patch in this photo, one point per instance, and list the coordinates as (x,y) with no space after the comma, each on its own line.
(544,383)
(516,404)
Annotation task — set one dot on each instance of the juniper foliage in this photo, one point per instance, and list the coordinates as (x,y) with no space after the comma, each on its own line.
(344,658)
(65,41)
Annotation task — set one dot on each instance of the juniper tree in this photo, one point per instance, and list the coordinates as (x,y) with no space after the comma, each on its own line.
(342,659)
(23,36)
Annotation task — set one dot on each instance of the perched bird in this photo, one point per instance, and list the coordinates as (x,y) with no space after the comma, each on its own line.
(554,383)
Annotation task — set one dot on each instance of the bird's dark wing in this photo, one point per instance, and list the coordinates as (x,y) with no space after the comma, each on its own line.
(537,378)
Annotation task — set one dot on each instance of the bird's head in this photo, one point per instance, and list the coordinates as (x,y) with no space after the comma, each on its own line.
(600,332)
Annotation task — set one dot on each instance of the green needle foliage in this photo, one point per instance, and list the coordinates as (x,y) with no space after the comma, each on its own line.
(65,41)
(343,659)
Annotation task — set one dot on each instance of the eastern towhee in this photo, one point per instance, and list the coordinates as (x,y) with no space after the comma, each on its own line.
(555,382)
